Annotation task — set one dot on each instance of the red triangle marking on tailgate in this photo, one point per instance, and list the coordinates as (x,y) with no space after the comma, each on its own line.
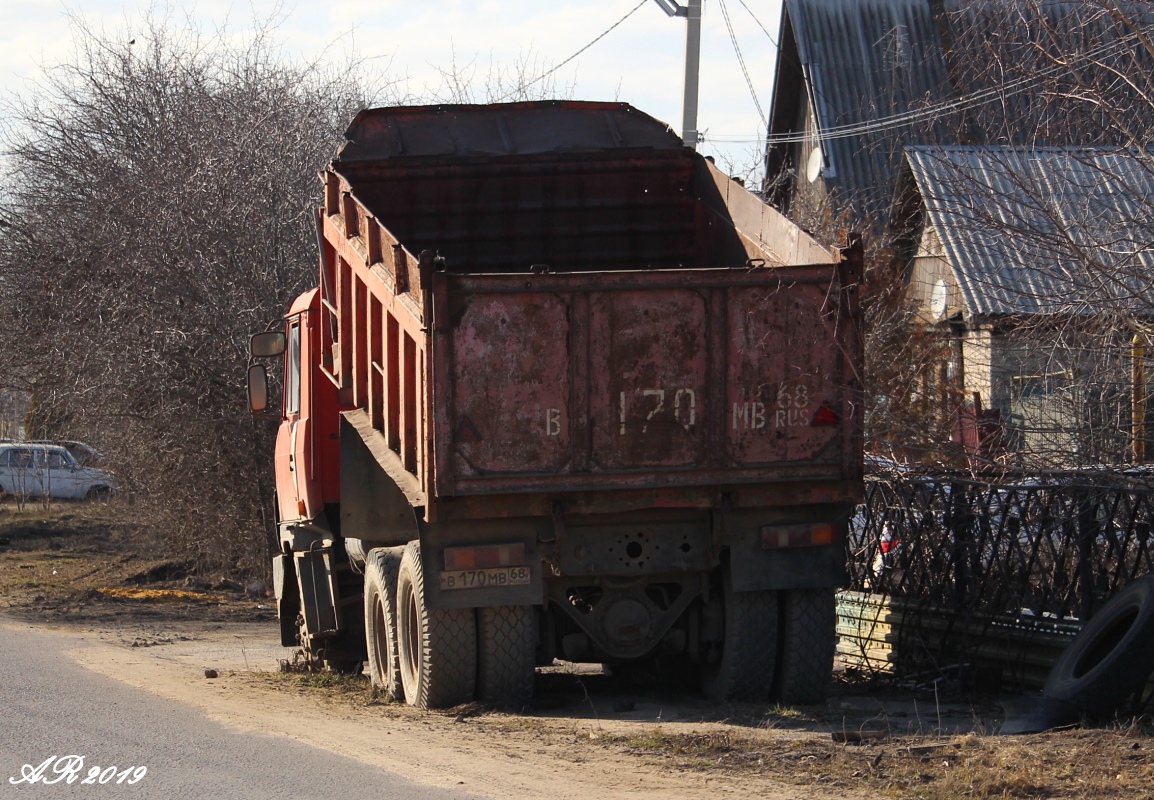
(467,431)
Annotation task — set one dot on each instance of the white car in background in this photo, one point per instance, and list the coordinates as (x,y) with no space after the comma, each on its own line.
(33,469)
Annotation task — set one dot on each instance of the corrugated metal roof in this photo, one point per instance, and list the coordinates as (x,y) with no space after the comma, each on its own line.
(865,59)
(1042,230)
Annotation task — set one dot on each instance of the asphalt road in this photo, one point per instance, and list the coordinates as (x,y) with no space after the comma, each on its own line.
(50,706)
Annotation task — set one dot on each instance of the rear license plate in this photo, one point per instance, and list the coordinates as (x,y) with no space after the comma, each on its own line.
(484,578)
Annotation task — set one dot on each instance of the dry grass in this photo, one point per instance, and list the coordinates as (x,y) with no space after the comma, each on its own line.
(159,595)
(76,560)
(1114,762)
(1085,763)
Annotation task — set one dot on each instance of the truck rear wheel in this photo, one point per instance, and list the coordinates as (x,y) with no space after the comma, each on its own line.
(742,669)
(506,655)
(805,657)
(437,647)
(381,568)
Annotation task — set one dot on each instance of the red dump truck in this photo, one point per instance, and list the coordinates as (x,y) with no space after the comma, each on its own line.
(564,391)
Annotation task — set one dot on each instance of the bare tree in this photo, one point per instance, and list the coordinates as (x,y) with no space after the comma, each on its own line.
(1046,198)
(530,77)
(157,210)
(1038,191)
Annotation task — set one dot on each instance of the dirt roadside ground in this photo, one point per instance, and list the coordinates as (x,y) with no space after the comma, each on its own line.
(77,570)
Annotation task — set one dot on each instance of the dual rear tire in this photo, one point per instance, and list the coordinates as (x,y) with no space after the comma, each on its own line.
(775,645)
(808,620)
(442,657)
(381,570)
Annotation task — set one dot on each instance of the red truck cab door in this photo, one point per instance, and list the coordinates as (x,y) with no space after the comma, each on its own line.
(307,453)
(290,454)
(297,488)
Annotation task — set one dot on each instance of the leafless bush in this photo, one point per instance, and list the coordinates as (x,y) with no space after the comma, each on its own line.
(530,77)
(156,212)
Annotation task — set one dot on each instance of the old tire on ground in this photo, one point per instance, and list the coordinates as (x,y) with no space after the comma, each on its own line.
(381,568)
(437,647)
(806,647)
(506,655)
(744,670)
(1111,657)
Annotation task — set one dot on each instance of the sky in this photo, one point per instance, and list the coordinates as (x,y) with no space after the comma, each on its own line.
(641,61)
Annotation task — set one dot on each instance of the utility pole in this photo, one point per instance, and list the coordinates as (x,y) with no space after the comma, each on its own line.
(692,14)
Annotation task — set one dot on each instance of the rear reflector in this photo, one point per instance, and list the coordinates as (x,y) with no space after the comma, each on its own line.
(485,556)
(825,416)
(796,536)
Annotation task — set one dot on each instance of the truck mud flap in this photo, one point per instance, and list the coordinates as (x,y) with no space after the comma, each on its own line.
(318,604)
(288,601)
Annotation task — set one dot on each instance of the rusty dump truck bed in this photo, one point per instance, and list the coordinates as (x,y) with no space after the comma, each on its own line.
(549,299)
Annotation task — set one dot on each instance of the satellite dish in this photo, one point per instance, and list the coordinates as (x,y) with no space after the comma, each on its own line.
(813,164)
(938,296)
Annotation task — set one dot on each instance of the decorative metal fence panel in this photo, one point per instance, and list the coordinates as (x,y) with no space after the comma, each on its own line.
(985,573)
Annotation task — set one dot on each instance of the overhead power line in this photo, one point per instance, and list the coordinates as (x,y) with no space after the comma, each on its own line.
(600,36)
(741,60)
(755,19)
(907,118)
(962,103)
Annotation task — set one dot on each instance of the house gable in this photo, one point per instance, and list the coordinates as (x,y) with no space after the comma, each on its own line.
(842,63)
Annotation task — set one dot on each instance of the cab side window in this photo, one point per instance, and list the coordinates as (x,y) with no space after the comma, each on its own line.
(293,371)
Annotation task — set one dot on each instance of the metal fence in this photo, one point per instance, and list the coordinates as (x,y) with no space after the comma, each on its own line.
(991,574)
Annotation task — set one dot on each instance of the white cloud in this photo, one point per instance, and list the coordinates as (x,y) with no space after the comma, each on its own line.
(640,62)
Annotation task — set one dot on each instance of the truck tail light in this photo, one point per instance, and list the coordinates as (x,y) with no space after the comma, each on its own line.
(825,415)
(485,556)
(781,536)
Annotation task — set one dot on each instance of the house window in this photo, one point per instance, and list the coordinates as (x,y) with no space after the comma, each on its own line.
(1044,415)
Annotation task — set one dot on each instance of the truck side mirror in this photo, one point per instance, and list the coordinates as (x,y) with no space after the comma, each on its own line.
(258,390)
(267,344)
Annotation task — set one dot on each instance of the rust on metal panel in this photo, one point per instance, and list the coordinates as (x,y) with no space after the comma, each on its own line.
(511,383)
(678,378)
(515,500)
(784,364)
(561,303)
(649,385)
